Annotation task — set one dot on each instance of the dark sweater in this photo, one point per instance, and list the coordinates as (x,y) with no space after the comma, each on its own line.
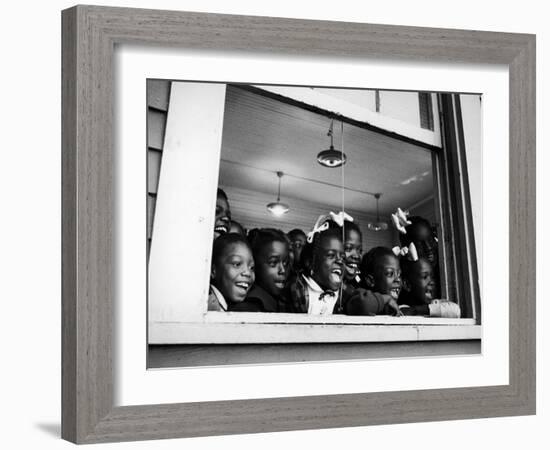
(363,302)
(259,300)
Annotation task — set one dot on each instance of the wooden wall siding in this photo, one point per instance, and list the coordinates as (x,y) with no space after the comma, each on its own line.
(249,209)
(154,158)
(151,203)
(156,125)
(158,95)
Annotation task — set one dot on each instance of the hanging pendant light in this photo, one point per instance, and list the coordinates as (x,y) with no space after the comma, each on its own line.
(379,225)
(331,157)
(278,208)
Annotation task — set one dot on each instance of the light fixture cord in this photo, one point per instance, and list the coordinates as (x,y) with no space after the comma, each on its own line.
(343,205)
(279,189)
(331,133)
(343,170)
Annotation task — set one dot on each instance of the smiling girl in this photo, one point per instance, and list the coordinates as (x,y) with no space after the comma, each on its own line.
(319,291)
(353,248)
(232,272)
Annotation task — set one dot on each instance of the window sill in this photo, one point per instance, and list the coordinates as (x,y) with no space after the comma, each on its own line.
(275,328)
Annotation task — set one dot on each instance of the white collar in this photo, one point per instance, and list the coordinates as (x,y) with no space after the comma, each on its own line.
(313,284)
(318,289)
(319,302)
(219,297)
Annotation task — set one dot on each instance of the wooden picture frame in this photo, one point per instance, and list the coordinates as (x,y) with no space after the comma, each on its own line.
(89,36)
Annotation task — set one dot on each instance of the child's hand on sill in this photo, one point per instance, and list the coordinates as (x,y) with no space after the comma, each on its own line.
(392,306)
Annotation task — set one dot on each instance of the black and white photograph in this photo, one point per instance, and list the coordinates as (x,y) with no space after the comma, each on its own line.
(300,214)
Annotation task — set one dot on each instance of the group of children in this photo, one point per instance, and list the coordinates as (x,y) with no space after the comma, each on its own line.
(324,272)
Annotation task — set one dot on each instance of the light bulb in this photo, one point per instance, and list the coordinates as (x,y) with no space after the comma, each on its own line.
(277,208)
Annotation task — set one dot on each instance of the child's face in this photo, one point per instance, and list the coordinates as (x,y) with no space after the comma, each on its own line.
(223,217)
(387,276)
(297,244)
(329,262)
(272,268)
(233,272)
(420,282)
(352,252)
(424,241)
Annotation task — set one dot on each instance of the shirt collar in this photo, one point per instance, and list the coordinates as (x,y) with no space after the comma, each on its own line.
(318,289)
(319,301)
(219,296)
(313,284)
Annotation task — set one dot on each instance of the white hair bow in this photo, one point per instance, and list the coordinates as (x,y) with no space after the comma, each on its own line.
(341,217)
(400,220)
(404,251)
(322,223)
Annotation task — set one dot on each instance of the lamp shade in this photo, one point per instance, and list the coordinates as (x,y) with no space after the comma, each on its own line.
(379,225)
(277,208)
(331,157)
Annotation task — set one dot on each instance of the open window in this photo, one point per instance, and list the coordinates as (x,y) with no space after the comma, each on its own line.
(411,150)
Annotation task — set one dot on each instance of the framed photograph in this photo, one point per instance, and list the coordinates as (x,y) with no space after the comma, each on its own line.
(262,135)
(246,198)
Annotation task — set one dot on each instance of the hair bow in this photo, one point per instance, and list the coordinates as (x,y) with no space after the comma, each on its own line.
(404,251)
(400,221)
(341,217)
(320,226)
(322,223)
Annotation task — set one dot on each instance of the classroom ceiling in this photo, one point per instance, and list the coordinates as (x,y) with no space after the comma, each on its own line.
(263,135)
